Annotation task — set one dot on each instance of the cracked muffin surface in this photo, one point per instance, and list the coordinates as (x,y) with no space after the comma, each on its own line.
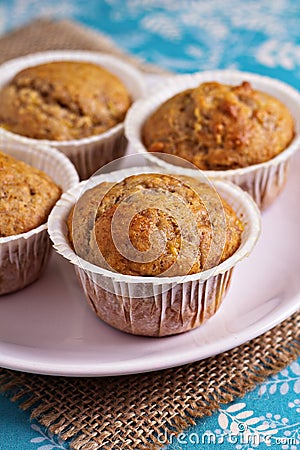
(220,127)
(27,196)
(154,224)
(63,100)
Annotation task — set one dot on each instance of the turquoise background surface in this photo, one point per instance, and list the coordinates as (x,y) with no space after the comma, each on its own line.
(259,36)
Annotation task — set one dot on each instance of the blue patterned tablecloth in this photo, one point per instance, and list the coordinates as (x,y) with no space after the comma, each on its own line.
(261,36)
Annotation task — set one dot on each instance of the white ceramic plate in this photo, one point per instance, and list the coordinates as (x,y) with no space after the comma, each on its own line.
(48,328)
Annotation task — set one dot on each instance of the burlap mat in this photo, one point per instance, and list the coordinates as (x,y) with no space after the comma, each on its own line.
(137,411)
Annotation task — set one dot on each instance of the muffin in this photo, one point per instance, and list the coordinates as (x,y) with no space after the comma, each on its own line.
(74,101)
(31,181)
(220,127)
(27,196)
(148,204)
(63,100)
(235,126)
(136,274)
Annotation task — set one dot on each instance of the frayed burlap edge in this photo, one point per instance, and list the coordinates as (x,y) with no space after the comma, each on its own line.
(46,34)
(132,412)
(138,411)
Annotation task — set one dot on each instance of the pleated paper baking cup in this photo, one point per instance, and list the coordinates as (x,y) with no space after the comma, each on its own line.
(23,257)
(90,153)
(263,181)
(154,306)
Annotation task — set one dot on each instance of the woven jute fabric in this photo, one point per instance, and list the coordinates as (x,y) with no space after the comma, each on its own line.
(136,411)
(141,411)
(44,34)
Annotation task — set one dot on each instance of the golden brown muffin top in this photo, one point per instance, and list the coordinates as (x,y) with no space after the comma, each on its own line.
(154,224)
(27,196)
(220,127)
(63,100)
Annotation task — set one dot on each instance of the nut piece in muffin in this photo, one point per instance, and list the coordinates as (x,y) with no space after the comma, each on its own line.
(154,225)
(63,100)
(219,127)
(27,196)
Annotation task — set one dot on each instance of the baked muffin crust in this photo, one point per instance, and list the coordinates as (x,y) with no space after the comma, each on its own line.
(220,127)
(27,196)
(63,100)
(164,238)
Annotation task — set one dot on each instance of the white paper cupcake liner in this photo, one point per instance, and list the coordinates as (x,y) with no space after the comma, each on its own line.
(262,181)
(23,257)
(91,153)
(154,306)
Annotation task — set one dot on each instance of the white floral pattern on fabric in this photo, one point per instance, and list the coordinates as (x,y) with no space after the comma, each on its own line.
(269,416)
(286,379)
(47,439)
(271,429)
(17,12)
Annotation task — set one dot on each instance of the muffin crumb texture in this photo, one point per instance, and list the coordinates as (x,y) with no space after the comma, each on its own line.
(63,100)
(220,127)
(26,198)
(154,225)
